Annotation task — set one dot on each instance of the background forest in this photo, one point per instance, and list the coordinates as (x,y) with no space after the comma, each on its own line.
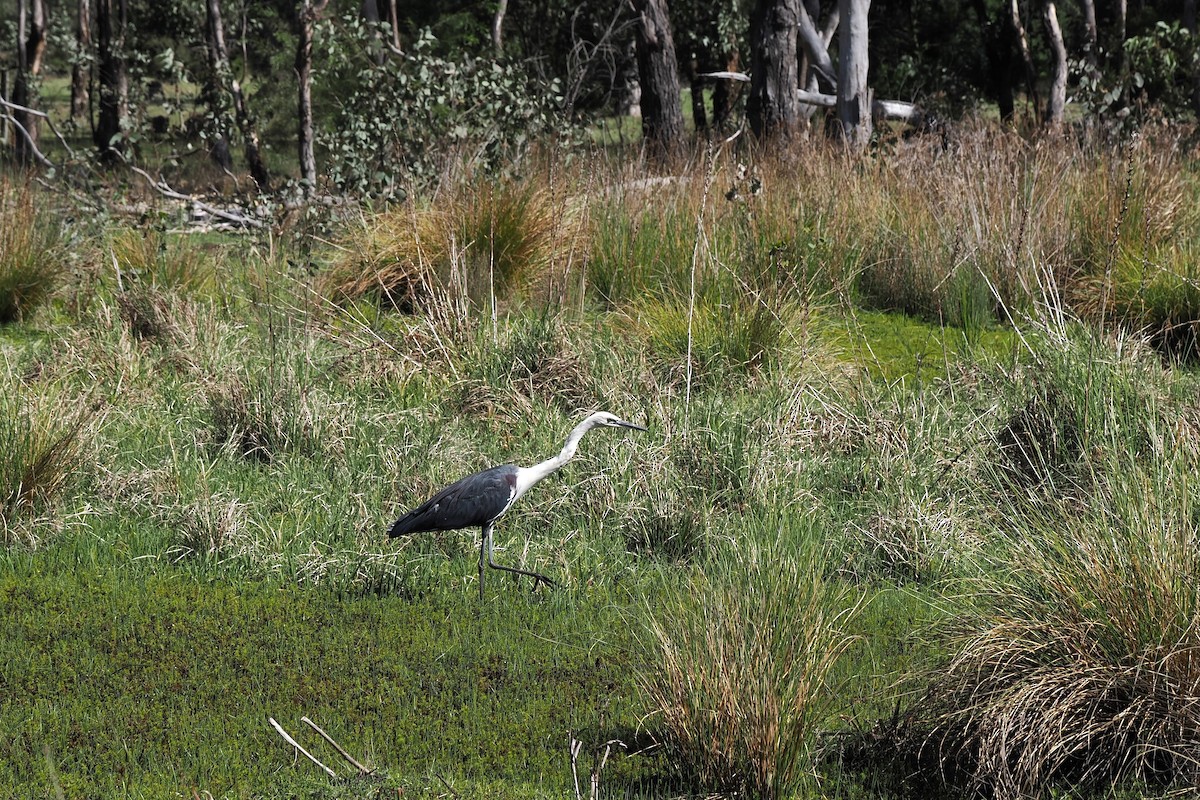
(906,294)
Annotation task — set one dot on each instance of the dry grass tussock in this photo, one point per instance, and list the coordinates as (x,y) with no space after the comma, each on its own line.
(151,257)
(1076,653)
(484,241)
(32,257)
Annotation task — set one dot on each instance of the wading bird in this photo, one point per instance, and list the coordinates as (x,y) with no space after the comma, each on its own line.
(482,498)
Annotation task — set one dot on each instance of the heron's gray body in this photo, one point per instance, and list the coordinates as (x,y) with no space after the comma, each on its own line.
(471,502)
(482,498)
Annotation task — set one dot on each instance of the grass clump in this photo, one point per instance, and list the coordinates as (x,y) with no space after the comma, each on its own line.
(1074,647)
(41,448)
(1077,660)
(738,666)
(486,243)
(152,258)
(265,414)
(31,255)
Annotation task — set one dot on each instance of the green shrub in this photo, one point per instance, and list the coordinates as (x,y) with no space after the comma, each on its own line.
(405,119)
(31,255)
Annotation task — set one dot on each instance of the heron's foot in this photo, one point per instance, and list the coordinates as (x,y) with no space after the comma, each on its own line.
(538,578)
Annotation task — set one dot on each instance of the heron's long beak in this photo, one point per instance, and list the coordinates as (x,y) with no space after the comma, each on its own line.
(625,424)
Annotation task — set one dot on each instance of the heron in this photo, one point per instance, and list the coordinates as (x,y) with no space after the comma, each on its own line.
(482,498)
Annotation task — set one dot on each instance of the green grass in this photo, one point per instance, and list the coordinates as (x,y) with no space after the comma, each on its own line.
(144,684)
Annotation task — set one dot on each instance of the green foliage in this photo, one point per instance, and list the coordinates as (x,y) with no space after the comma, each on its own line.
(32,258)
(402,120)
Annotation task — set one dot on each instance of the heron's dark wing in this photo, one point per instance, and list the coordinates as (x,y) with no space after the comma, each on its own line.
(470,502)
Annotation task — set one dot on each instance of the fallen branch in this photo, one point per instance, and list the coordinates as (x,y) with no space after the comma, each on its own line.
(883,109)
(166,191)
(362,770)
(287,738)
(4,102)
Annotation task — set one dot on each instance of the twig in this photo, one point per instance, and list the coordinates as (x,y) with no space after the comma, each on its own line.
(295,744)
(449,788)
(600,765)
(336,746)
(41,115)
(576,746)
(41,158)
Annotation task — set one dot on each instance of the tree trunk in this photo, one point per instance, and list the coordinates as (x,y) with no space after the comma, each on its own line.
(1189,22)
(308,12)
(498,27)
(111,19)
(31,47)
(1057,99)
(223,79)
(815,65)
(1091,34)
(854,98)
(79,72)
(213,94)
(773,107)
(658,74)
(725,94)
(1018,29)
(699,113)
(394,21)
(816,43)
(998,49)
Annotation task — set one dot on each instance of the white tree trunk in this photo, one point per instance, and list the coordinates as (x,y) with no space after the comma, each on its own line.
(308,12)
(1014,15)
(854,97)
(498,27)
(1057,99)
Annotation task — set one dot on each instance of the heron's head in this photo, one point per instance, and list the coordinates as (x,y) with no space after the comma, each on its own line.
(610,420)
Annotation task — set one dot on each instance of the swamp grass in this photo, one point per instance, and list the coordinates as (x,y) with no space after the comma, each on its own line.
(213,550)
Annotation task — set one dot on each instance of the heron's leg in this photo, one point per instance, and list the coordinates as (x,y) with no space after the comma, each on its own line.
(537,577)
(484,549)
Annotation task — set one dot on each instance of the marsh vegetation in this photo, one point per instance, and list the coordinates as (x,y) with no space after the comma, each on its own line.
(916,514)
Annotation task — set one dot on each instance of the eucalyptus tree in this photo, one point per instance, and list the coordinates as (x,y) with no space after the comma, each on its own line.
(1056,98)
(222,81)
(308,12)
(658,73)
(773,106)
(854,97)
(112,23)
(80,73)
(30,49)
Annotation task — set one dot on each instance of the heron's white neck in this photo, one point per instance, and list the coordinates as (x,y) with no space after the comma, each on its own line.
(528,476)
